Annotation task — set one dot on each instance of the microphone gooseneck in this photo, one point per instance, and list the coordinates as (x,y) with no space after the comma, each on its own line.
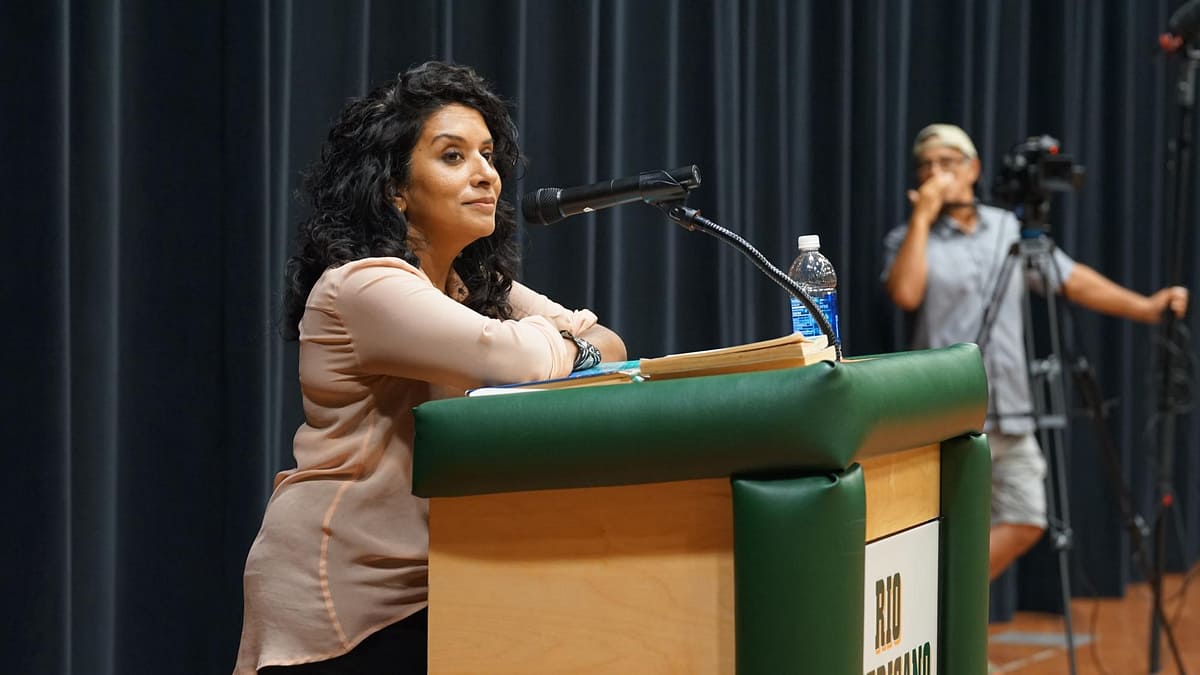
(668,191)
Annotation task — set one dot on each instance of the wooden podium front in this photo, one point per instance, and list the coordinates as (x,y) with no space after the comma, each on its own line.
(641,578)
(625,579)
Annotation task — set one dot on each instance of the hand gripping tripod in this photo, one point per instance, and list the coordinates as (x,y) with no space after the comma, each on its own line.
(1035,251)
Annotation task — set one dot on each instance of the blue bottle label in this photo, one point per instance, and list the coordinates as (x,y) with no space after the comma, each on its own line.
(804,323)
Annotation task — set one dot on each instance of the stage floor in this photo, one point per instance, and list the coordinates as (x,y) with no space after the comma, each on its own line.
(1112,634)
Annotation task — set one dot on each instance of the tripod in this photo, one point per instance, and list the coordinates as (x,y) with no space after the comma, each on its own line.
(1179,169)
(1035,251)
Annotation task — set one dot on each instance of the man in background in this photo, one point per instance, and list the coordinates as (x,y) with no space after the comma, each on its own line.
(942,267)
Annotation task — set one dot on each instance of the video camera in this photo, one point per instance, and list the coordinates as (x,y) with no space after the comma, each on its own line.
(1030,172)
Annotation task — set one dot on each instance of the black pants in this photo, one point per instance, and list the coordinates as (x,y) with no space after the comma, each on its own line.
(399,649)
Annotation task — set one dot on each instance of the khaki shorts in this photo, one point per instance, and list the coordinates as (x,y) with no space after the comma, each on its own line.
(1018,480)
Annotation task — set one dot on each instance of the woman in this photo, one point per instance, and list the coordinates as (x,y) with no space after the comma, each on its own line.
(402,291)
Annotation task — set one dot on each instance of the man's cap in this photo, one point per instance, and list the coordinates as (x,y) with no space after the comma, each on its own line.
(944,136)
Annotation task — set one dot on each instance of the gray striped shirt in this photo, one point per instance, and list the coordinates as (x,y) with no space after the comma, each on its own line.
(962,272)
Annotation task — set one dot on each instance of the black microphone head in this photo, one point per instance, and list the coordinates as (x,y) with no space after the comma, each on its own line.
(688,176)
(540,207)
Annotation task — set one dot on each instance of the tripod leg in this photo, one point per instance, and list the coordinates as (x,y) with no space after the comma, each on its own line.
(1057,509)
(1058,398)
(1162,515)
(1049,403)
(1160,555)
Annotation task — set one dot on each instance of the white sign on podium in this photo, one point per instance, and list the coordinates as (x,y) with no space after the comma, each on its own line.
(901,603)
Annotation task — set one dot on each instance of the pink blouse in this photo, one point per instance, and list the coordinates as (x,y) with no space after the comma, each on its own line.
(344,544)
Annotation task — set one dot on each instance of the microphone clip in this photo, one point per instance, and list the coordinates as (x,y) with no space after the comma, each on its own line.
(678,211)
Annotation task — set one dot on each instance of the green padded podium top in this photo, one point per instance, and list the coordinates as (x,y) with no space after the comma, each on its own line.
(781,422)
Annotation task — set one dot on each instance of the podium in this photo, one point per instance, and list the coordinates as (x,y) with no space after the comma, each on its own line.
(706,525)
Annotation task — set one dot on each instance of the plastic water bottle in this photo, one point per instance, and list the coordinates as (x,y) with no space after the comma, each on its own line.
(815,275)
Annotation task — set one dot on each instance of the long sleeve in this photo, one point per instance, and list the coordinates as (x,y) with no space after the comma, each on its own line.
(394,322)
(527,302)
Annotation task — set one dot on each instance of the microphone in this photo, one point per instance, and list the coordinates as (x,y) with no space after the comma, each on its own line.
(1182,27)
(550,205)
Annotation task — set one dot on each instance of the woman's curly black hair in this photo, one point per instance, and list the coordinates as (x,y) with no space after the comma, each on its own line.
(364,162)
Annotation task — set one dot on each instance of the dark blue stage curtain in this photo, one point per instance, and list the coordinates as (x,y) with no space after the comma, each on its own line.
(151,152)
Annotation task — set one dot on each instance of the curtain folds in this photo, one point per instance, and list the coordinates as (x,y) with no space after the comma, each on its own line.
(151,156)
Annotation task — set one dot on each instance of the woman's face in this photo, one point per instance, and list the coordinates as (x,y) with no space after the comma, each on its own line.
(450,198)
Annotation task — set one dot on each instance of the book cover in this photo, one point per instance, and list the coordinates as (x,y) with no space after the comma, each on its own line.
(613,372)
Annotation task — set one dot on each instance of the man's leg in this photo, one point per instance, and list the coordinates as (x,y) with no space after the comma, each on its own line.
(1018,499)
(1007,542)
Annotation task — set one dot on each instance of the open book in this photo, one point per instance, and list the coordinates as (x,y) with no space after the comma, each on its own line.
(788,351)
